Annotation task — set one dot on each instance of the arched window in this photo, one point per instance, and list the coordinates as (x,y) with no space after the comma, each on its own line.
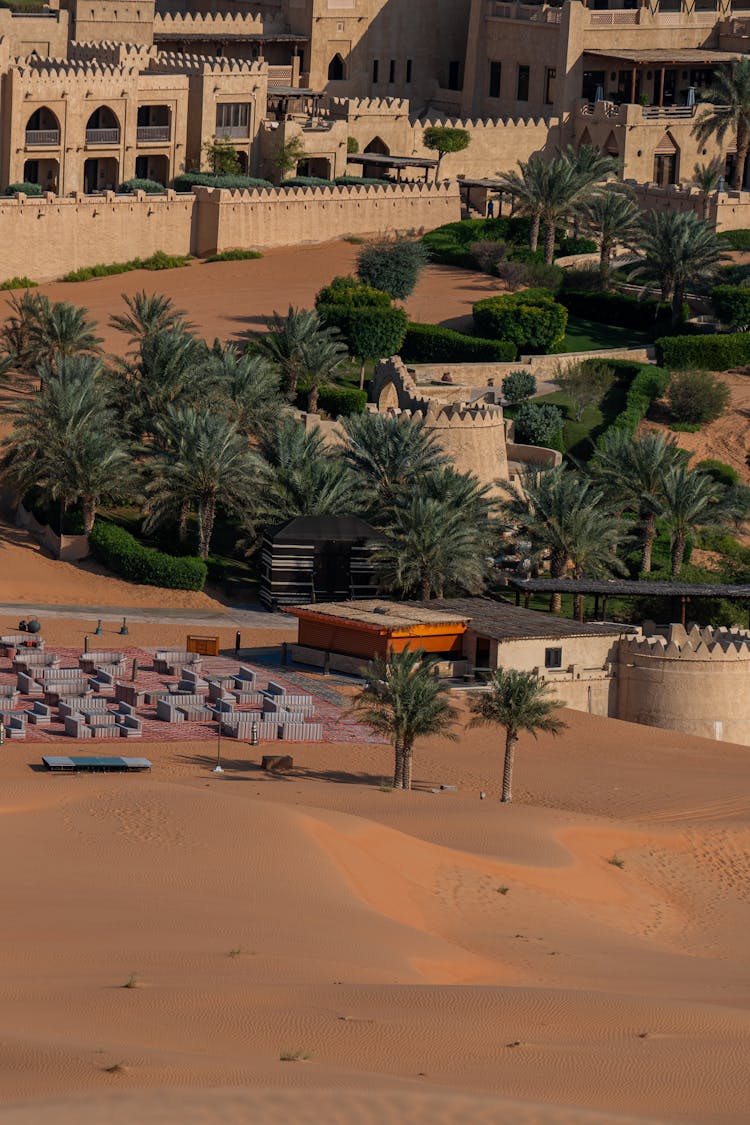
(378,145)
(43,128)
(336,69)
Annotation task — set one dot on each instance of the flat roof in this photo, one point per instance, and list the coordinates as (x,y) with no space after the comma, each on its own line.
(653,56)
(293,92)
(501,621)
(381,615)
(622,587)
(95,764)
(391,161)
(228,37)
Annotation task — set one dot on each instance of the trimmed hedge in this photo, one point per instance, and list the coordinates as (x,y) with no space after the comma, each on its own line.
(451,244)
(305,181)
(732,305)
(623,310)
(429,343)
(719,471)
(188,180)
(342,401)
(151,187)
(23,188)
(371,325)
(712,353)
(361,181)
(736,239)
(532,319)
(122,553)
(648,384)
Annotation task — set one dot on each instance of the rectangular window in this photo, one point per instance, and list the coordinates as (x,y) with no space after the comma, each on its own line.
(408,70)
(232,115)
(553,658)
(454,74)
(495,75)
(392,71)
(522,90)
(549,85)
(375,69)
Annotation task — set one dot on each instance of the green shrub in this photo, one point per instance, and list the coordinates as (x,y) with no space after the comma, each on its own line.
(23,188)
(736,239)
(348,292)
(717,352)
(685,427)
(648,384)
(188,180)
(451,244)
(157,261)
(151,187)
(352,145)
(234,256)
(305,181)
(367,319)
(518,386)
(18,283)
(697,397)
(430,343)
(393,267)
(341,401)
(719,471)
(623,310)
(569,246)
(532,319)
(360,181)
(540,275)
(732,305)
(122,553)
(538,423)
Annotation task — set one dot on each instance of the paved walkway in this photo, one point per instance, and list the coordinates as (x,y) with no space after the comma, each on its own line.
(249,616)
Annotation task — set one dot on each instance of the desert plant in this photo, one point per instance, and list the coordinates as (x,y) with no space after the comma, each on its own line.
(392,266)
(516,701)
(697,397)
(405,700)
(532,319)
(538,423)
(518,386)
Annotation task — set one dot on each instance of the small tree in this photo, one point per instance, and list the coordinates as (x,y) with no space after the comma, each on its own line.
(697,397)
(405,700)
(517,701)
(488,254)
(222,158)
(369,324)
(352,146)
(289,156)
(585,383)
(732,306)
(443,139)
(538,423)
(518,387)
(393,267)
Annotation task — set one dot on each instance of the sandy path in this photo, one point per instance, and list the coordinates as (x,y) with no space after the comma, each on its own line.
(317,913)
(226,299)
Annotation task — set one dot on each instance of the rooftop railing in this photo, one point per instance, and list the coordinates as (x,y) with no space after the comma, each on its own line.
(102,136)
(43,138)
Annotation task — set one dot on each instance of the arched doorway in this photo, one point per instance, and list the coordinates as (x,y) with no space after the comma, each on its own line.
(42,129)
(156,168)
(336,69)
(103,127)
(44,172)
(388,397)
(375,171)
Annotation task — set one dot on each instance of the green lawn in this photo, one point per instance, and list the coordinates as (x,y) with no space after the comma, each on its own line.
(589,335)
(578,438)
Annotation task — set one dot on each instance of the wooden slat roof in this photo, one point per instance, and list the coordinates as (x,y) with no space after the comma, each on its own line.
(627,588)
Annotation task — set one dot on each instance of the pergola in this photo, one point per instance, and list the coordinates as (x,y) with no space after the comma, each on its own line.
(681,593)
(380,160)
(659,59)
(286,100)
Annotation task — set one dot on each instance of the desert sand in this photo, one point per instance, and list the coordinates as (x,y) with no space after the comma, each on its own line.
(426,956)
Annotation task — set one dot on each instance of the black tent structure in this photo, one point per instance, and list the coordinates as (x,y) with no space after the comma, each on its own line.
(318,559)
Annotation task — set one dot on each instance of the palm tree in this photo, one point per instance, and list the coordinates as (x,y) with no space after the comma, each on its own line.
(570,522)
(679,250)
(170,368)
(212,466)
(633,469)
(291,342)
(405,700)
(65,440)
(691,500)
(146,315)
(388,454)
(322,353)
(249,385)
(613,219)
(707,177)
(59,329)
(431,545)
(306,477)
(727,110)
(516,701)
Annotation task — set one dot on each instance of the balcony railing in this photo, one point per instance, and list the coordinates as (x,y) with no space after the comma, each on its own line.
(102,136)
(527,12)
(152,133)
(232,132)
(45,138)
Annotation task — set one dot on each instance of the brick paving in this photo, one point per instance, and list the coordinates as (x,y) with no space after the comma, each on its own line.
(338,725)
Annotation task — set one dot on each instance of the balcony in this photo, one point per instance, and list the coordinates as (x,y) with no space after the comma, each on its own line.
(150,134)
(42,138)
(232,132)
(632,114)
(530,13)
(102,136)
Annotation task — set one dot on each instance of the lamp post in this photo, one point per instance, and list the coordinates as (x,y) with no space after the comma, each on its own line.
(217,767)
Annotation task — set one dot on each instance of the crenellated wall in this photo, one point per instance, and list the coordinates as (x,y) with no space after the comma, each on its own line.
(46,238)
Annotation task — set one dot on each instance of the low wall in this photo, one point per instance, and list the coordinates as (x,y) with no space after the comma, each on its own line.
(48,237)
(726,210)
(69,548)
